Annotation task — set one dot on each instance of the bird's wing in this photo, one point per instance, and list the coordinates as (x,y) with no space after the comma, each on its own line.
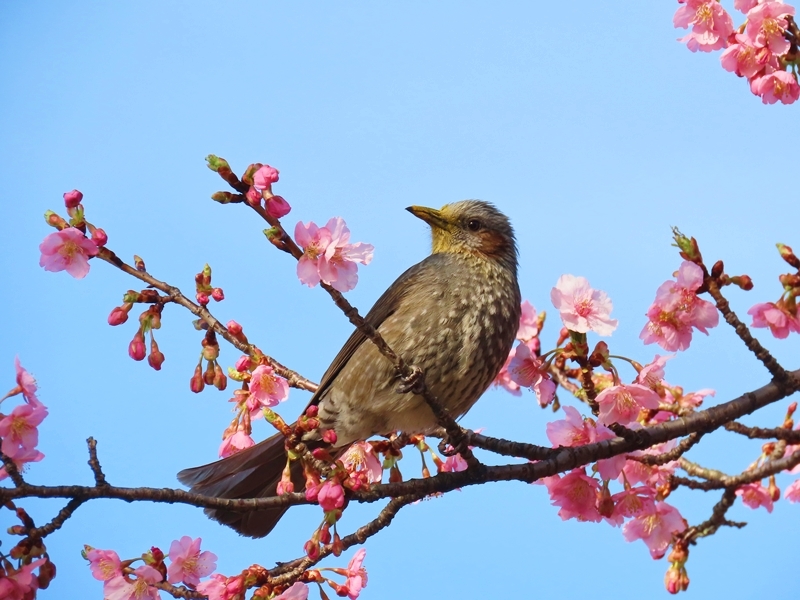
(386,305)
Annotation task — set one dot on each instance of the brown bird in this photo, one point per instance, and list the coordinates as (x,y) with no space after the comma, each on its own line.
(454,315)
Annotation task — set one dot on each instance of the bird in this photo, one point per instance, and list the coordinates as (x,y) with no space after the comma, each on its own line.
(454,316)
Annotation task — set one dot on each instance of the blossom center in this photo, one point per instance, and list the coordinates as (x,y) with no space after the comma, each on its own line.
(69,249)
(583,307)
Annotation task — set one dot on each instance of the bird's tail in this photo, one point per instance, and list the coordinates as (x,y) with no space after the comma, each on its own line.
(251,473)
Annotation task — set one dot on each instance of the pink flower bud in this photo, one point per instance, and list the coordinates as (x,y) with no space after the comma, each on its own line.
(331,496)
(312,410)
(234,328)
(208,376)
(218,295)
(265,177)
(329,436)
(119,315)
(312,549)
(196,384)
(202,298)
(220,380)
(72,199)
(136,349)
(284,487)
(156,357)
(99,237)
(278,207)
(253,197)
(325,534)
(243,364)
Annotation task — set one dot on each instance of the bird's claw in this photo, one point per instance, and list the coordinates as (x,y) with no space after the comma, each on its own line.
(412,383)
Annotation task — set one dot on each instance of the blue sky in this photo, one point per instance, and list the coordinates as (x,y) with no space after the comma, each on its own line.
(587,123)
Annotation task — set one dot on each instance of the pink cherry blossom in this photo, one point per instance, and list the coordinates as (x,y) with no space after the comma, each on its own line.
(634,501)
(220,587)
(253,196)
(188,563)
(755,495)
(528,370)
(711,24)
(266,387)
(778,85)
(745,59)
(278,207)
(68,250)
(314,241)
(792,491)
(21,458)
(356,574)
(105,564)
(572,431)
(298,591)
(655,527)
(361,463)
(453,464)
(622,403)
(652,375)
(777,318)
(72,199)
(745,5)
(331,496)
(265,177)
(582,308)
(504,379)
(528,323)
(576,495)
(338,265)
(677,309)
(652,475)
(234,443)
(20,584)
(766,23)
(120,588)
(19,429)
(608,468)
(577,431)
(26,385)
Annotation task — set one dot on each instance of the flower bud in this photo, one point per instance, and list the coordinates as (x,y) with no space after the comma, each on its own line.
(311,548)
(120,314)
(329,436)
(223,197)
(788,255)
(99,237)
(156,357)
(337,546)
(138,262)
(247,177)
(220,381)
(136,349)
(215,163)
(202,298)
(278,207)
(325,534)
(718,269)
(72,199)
(55,221)
(312,410)
(208,376)
(217,294)
(265,176)
(253,197)
(47,572)
(196,384)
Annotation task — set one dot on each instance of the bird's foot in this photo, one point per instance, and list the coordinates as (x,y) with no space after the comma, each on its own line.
(412,383)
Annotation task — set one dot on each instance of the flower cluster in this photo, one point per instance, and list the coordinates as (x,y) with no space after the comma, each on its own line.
(120,582)
(677,310)
(18,429)
(763,50)
(781,317)
(329,256)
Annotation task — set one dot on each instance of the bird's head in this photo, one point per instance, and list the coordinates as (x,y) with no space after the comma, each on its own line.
(471,227)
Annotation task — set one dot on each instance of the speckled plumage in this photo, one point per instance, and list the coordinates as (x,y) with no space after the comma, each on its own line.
(454,315)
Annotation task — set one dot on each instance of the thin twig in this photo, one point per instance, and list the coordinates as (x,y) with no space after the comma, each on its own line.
(94,464)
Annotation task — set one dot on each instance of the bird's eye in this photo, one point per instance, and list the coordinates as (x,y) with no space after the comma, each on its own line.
(474,225)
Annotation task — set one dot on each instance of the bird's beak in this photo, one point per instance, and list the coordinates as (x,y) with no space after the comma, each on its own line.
(431,216)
